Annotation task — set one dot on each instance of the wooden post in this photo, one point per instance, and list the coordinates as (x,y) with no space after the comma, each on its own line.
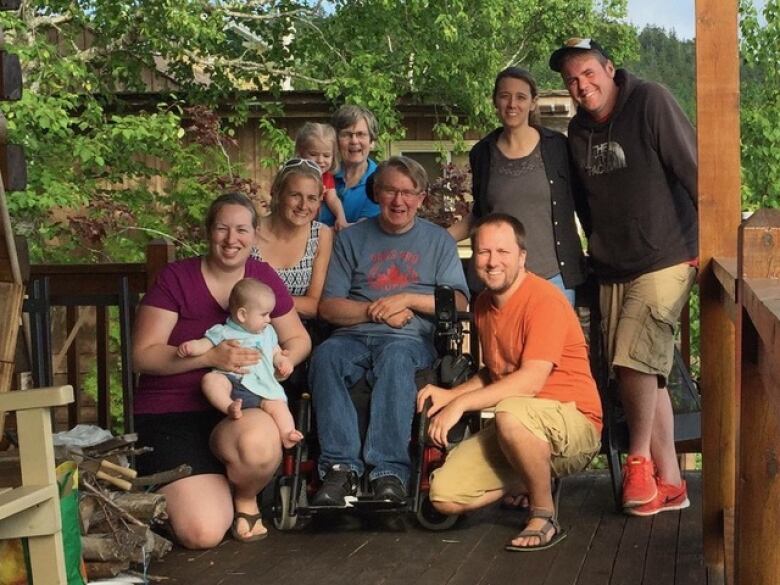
(103,368)
(757,517)
(158,254)
(717,106)
(74,366)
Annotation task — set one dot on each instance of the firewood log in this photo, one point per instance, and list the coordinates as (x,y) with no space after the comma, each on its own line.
(146,507)
(106,570)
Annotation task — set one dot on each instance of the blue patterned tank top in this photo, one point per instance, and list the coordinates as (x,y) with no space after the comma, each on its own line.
(297,278)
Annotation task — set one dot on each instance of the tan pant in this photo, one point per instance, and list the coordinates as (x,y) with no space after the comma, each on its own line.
(477,465)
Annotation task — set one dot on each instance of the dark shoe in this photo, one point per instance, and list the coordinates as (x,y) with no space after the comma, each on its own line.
(339,483)
(388,488)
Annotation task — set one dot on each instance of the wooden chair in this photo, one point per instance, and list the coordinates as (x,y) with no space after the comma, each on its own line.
(32,510)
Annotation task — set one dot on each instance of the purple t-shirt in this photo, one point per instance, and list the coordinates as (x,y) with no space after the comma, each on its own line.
(181,288)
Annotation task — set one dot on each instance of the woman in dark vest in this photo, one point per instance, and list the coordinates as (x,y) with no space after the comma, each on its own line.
(522,169)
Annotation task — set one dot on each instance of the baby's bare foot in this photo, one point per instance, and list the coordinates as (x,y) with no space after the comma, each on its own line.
(291,439)
(234,410)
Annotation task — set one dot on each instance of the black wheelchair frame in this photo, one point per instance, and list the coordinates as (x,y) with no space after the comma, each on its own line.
(299,479)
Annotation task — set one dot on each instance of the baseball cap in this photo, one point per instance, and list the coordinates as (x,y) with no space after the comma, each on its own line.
(574,44)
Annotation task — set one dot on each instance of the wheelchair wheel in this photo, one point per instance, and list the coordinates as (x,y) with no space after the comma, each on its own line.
(283,520)
(432,519)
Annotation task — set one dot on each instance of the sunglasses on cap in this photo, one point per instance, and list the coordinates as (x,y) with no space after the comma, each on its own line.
(573,45)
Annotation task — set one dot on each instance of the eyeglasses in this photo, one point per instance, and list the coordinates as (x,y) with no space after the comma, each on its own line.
(406,194)
(297,162)
(347,135)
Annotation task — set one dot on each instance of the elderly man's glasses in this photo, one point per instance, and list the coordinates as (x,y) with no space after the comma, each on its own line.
(405,194)
(301,162)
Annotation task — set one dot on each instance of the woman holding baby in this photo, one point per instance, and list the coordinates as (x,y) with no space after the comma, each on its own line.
(232,459)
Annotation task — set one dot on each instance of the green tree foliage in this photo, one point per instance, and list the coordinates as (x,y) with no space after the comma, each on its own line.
(447,52)
(760,108)
(668,60)
(93,147)
(109,166)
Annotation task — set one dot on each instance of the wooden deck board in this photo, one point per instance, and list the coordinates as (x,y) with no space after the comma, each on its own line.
(597,568)
(690,569)
(602,547)
(662,548)
(630,560)
(596,497)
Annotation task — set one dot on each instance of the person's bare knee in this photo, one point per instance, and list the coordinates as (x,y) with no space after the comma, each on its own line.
(216,382)
(200,509)
(197,536)
(257,451)
(252,441)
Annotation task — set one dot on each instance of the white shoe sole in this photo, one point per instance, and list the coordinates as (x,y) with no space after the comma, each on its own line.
(636,512)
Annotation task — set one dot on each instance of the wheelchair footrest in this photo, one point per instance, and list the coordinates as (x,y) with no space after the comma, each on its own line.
(358,504)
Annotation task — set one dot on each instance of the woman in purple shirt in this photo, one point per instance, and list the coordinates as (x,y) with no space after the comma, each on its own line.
(232,460)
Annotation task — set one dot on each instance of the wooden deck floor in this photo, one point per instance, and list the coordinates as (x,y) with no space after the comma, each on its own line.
(603,547)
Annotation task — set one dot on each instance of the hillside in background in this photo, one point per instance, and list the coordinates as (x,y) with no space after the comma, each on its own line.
(668,60)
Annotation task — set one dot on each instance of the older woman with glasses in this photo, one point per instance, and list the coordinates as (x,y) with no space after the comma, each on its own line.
(290,239)
(356,132)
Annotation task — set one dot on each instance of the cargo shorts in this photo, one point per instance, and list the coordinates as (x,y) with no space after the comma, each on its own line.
(638,318)
(478,465)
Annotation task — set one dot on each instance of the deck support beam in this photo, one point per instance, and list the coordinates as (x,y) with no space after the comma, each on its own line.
(717,105)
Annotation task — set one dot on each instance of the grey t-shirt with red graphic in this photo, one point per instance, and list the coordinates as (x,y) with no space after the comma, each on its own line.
(368,264)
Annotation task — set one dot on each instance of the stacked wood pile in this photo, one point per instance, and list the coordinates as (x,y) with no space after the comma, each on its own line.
(118,516)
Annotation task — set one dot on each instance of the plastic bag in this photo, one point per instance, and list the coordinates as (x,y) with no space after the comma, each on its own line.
(68,482)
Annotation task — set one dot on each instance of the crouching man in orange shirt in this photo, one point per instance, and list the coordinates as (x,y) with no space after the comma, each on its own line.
(536,375)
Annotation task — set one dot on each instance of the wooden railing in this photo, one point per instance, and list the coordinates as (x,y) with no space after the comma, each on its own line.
(81,288)
(750,295)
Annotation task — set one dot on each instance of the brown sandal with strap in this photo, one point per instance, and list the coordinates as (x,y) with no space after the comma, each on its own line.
(545,542)
(251,520)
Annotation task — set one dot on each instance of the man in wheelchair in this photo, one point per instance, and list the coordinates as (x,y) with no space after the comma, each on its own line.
(379,293)
(536,375)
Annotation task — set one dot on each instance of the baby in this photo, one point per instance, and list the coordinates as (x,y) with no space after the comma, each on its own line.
(250,305)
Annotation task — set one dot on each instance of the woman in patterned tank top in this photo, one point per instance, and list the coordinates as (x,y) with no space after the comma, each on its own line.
(290,240)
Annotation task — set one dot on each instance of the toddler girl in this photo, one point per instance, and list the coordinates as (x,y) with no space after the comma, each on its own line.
(317,143)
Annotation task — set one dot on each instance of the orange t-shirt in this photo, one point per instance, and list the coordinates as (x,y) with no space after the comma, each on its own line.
(539,324)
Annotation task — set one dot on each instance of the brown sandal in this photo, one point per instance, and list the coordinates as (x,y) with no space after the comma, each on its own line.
(251,520)
(546,542)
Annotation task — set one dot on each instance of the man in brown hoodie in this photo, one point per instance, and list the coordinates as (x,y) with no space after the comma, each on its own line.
(634,153)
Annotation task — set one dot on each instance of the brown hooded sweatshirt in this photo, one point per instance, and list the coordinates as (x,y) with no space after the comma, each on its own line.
(638,175)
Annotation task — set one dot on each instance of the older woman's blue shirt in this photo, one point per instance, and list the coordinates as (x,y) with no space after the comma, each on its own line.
(355,200)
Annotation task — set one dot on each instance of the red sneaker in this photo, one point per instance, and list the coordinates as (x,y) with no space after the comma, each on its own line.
(639,485)
(670,497)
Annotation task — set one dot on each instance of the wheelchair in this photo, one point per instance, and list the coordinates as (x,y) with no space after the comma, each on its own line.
(298,478)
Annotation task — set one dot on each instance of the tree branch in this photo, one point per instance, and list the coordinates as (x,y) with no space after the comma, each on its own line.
(53,20)
(251,67)
(324,39)
(269,16)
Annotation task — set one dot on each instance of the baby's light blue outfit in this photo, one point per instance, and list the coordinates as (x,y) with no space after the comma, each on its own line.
(260,379)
